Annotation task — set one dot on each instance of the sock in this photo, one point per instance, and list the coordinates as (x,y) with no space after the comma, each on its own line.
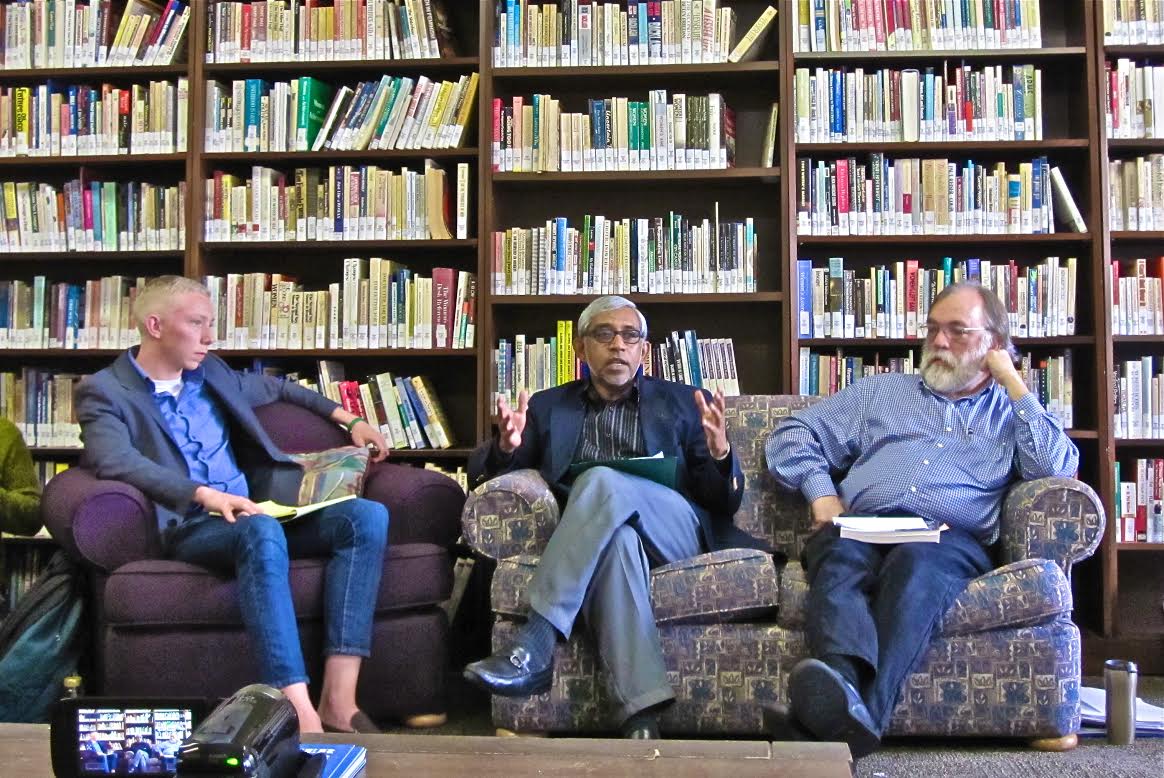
(847,666)
(539,636)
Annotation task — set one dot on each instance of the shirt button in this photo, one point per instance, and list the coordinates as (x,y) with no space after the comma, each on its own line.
(913,488)
(1022,413)
(925,461)
(949,429)
(941,445)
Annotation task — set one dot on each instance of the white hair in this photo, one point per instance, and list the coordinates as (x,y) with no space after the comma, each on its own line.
(155,298)
(610,302)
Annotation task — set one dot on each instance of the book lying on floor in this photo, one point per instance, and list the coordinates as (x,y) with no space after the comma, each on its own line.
(343,760)
(658,468)
(285,513)
(889,529)
(1093,715)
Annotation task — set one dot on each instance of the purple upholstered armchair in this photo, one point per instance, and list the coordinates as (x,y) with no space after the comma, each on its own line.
(170,628)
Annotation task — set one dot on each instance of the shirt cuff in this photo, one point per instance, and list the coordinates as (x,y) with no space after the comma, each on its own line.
(498,459)
(818,485)
(1028,408)
(724,465)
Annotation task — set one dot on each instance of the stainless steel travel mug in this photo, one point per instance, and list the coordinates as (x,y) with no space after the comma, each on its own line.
(1119,683)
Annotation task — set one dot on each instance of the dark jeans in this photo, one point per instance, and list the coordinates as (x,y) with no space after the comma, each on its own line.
(880,604)
(258,549)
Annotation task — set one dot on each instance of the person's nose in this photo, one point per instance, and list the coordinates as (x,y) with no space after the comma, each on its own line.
(939,338)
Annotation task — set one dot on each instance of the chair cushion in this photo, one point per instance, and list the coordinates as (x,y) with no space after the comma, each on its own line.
(155,592)
(1020,594)
(730,585)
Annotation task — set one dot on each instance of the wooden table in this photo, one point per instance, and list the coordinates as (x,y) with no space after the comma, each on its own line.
(24,751)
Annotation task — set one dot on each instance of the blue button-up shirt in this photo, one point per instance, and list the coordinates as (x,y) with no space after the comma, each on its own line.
(198,427)
(910,450)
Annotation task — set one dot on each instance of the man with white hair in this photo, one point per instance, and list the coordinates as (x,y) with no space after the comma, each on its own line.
(614,526)
(944,446)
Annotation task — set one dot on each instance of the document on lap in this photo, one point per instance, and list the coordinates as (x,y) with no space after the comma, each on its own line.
(658,468)
(889,529)
(286,513)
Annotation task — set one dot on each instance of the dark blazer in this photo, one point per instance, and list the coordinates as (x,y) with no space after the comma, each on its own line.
(671,424)
(126,438)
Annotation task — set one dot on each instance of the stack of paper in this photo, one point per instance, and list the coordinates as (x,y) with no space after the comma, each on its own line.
(1093,715)
(889,529)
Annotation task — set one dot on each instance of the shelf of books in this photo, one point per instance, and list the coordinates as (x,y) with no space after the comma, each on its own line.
(1130,72)
(652,136)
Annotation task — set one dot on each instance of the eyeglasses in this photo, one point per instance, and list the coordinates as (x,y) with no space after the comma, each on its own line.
(951,331)
(630,337)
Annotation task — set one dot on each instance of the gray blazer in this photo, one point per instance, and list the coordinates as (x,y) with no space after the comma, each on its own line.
(126,438)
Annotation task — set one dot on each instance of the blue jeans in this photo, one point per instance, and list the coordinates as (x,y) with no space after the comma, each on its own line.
(258,549)
(880,604)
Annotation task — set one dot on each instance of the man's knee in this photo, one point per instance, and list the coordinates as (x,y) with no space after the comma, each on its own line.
(596,482)
(261,533)
(369,523)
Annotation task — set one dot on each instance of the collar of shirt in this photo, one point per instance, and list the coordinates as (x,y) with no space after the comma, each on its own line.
(192,378)
(590,394)
(989,389)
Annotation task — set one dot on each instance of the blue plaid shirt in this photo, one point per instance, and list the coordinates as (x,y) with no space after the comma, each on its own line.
(910,450)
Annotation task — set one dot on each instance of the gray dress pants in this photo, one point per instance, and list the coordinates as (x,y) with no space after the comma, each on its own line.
(614,528)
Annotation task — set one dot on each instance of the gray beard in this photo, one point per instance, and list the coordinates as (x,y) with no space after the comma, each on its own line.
(946,378)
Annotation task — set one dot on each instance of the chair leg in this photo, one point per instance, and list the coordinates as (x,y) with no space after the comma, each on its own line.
(426,720)
(1064,743)
(503,732)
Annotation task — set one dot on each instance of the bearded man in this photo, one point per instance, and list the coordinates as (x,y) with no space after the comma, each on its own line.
(944,446)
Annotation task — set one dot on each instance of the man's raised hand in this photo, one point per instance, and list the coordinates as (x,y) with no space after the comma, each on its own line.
(511,422)
(714,423)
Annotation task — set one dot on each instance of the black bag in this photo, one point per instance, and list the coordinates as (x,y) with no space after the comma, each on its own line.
(41,642)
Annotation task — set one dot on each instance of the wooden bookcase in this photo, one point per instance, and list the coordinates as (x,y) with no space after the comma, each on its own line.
(1111,589)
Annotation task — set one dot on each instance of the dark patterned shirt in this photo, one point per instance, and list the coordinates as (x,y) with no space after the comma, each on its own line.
(610,430)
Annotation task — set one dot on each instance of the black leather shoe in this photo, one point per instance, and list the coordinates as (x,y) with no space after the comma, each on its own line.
(781,725)
(641,729)
(510,673)
(830,708)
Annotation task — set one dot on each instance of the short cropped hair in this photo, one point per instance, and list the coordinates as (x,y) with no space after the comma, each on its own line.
(156,296)
(997,319)
(610,302)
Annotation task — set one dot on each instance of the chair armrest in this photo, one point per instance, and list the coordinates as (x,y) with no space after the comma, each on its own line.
(509,515)
(423,506)
(1060,519)
(104,523)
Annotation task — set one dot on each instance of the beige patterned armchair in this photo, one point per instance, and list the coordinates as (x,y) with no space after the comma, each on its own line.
(1006,661)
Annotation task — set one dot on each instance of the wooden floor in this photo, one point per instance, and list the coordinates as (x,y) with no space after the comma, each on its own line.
(24,752)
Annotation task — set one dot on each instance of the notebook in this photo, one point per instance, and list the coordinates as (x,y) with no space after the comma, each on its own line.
(889,529)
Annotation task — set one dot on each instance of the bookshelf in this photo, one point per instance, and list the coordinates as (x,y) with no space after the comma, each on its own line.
(763,324)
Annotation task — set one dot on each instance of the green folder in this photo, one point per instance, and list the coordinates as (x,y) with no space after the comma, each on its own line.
(661,470)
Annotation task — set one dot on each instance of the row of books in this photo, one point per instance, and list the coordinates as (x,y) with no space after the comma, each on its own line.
(1127,23)
(40,404)
(532,364)
(1137,296)
(849,105)
(1140,502)
(307,114)
(340,202)
(893,301)
(91,33)
(55,120)
(823,374)
(687,132)
(306,31)
(916,25)
(21,571)
(1136,193)
(1048,377)
(378,303)
(661,255)
(912,196)
(1139,406)
(579,33)
(458,474)
(88,215)
(405,409)
(96,313)
(1133,99)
